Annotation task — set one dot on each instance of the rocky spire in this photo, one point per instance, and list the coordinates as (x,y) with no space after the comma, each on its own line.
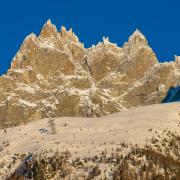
(136,40)
(68,36)
(137,34)
(48,30)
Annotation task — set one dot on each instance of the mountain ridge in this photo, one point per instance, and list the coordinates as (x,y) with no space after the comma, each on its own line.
(54,75)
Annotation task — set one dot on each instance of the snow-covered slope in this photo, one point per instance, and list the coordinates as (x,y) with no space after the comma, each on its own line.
(89,136)
(53,75)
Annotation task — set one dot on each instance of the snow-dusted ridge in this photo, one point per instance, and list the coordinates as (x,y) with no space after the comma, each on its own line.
(54,75)
(87,137)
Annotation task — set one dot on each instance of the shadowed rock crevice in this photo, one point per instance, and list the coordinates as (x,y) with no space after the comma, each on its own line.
(172,95)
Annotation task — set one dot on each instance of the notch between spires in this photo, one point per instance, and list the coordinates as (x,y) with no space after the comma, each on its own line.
(105,40)
(68,35)
(65,31)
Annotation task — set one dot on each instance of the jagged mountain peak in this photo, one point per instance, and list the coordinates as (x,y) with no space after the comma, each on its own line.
(136,39)
(31,36)
(137,34)
(49,22)
(135,42)
(54,75)
(48,30)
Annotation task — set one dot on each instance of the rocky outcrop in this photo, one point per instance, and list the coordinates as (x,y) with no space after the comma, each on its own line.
(54,75)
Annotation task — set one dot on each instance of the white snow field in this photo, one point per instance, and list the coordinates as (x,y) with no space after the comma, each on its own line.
(89,136)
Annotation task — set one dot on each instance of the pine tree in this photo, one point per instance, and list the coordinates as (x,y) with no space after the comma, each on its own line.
(52,126)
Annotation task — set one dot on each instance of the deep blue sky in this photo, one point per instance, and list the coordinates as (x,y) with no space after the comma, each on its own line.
(159,20)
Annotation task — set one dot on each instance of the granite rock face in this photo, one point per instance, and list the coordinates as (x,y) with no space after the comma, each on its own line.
(53,75)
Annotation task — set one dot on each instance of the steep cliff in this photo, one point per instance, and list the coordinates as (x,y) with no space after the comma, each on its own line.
(53,75)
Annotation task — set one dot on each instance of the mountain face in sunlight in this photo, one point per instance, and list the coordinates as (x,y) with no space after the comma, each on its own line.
(53,75)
